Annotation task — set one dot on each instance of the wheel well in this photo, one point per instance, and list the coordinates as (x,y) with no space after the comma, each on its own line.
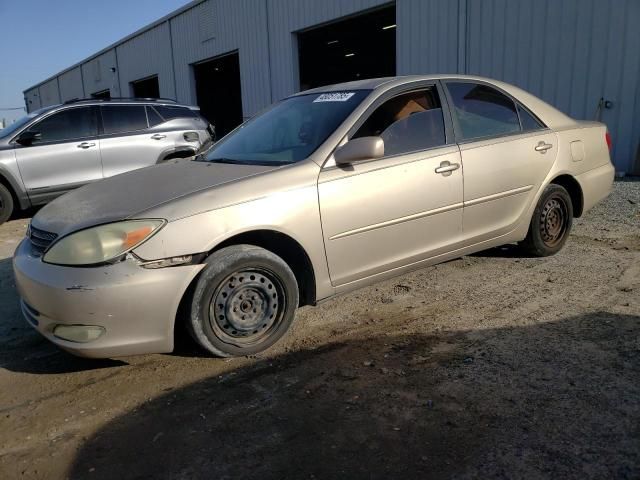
(289,250)
(178,154)
(572,186)
(16,201)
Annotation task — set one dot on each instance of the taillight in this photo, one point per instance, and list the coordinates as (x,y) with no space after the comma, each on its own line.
(607,137)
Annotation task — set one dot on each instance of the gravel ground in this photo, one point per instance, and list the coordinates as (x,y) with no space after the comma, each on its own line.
(488,366)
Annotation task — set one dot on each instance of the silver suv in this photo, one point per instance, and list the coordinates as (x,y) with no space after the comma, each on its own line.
(62,147)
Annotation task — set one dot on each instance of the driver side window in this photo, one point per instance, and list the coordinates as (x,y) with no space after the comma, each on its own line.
(71,124)
(410,122)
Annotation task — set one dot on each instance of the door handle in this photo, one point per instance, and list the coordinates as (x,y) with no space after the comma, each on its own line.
(543,147)
(86,145)
(446,168)
(158,136)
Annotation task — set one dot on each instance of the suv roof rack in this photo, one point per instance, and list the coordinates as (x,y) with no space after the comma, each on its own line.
(130,99)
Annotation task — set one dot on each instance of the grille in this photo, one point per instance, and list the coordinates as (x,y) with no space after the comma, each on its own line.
(40,240)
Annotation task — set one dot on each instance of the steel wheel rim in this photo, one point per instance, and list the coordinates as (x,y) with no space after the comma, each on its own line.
(247,307)
(553,221)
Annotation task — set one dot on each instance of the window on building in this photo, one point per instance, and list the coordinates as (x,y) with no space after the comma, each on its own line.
(123,118)
(409,122)
(69,124)
(482,111)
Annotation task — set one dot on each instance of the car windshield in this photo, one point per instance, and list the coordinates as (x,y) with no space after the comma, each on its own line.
(18,124)
(288,132)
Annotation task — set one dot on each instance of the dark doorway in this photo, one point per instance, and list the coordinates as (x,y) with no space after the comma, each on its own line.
(218,92)
(146,88)
(102,94)
(359,47)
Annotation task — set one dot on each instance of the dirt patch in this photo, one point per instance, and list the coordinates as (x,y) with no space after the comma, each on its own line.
(488,366)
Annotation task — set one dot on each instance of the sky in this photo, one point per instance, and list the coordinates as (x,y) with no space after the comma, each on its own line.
(38,38)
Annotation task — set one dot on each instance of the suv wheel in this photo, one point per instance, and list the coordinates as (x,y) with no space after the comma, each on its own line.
(550,224)
(244,302)
(6,204)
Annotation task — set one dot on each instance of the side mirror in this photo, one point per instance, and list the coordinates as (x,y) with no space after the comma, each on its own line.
(28,137)
(363,148)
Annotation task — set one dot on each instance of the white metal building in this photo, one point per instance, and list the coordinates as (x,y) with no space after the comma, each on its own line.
(235,57)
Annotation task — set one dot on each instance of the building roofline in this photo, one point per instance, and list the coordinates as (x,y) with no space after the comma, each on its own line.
(138,32)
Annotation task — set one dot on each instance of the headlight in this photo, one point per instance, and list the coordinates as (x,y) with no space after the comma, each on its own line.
(101,244)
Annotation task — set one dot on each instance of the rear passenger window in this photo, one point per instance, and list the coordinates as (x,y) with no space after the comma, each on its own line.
(528,121)
(407,123)
(482,111)
(123,118)
(169,113)
(153,117)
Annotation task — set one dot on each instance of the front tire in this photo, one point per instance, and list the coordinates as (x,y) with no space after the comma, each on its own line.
(6,204)
(550,224)
(244,301)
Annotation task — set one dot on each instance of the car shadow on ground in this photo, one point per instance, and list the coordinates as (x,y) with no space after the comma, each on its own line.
(22,349)
(549,400)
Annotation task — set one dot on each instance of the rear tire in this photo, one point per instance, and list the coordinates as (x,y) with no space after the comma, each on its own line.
(244,301)
(6,204)
(550,224)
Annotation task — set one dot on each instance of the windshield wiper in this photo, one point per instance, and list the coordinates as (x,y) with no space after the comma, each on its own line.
(226,160)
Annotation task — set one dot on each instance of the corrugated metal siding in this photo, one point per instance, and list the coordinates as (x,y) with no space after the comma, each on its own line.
(97,74)
(71,85)
(234,25)
(569,53)
(427,36)
(145,55)
(49,94)
(32,98)
(287,16)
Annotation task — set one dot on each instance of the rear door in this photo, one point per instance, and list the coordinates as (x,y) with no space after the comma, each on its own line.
(506,155)
(64,155)
(125,142)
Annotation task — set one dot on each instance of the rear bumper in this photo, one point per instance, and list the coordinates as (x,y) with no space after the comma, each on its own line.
(596,185)
(135,306)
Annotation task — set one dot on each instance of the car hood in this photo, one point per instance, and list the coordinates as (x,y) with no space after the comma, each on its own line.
(126,195)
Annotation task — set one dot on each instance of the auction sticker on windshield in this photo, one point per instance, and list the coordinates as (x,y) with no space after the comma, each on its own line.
(334,97)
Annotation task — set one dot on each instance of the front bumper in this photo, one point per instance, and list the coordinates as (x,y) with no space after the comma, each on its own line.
(136,306)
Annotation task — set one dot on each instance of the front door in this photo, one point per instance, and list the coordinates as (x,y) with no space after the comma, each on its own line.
(389,213)
(64,153)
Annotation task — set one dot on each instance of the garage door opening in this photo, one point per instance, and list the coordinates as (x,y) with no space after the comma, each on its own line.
(359,47)
(146,88)
(218,92)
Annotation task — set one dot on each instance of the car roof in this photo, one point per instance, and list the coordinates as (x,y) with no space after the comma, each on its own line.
(165,102)
(551,116)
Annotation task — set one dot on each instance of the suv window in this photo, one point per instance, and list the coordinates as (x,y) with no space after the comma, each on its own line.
(153,117)
(409,122)
(482,111)
(69,124)
(169,113)
(123,118)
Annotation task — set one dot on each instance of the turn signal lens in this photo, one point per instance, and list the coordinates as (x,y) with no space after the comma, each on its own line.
(607,137)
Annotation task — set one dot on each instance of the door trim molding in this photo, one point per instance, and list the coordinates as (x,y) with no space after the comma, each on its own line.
(396,221)
(496,196)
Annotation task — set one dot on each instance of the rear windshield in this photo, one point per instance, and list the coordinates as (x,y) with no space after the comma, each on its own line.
(169,113)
